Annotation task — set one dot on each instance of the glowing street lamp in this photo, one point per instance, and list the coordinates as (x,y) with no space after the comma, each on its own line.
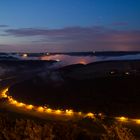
(48,110)
(90,115)
(40,109)
(122,119)
(29,107)
(69,112)
(20,104)
(58,111)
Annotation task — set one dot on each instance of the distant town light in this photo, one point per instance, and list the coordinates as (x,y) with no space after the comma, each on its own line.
(25,55)
(127,73)
(57,60)
(112,72)
(82,61)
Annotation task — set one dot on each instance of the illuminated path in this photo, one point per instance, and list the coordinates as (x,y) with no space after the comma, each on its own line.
(67,114)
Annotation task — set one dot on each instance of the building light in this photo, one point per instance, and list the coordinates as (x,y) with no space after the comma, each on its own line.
(127,73)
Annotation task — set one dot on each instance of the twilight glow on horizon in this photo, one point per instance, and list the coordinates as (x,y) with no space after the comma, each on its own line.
(69,25)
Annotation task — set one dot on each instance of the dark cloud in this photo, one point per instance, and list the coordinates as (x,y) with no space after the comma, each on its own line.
(81,39)
(3,26)
(53,32)
(96,33)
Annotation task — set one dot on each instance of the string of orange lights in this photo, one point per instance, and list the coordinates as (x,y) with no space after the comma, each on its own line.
(67,112)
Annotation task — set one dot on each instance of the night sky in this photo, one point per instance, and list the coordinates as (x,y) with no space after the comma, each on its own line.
(69,25)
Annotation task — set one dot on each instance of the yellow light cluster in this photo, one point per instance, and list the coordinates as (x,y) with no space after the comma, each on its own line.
(20,104)
(48,110)
(58,111)
(137,121)
(29,107)
(4,93)
(90,115)
(68,112)
(40,109)
(122,119)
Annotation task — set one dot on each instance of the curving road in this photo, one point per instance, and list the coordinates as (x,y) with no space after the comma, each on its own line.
(42,111)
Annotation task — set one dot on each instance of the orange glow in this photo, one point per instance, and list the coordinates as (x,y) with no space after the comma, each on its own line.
(82,61)
(122,119)
(40,109)
(48,110)
(29,107)
(3,94)
(137,121)
(79,113)
(58,111)
(13,102)
(90,115)
(20,104)
(69,112)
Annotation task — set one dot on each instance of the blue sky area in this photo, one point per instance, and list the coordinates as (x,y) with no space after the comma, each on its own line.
(69,25)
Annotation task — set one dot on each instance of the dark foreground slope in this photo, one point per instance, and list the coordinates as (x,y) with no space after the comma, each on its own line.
(99,90)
